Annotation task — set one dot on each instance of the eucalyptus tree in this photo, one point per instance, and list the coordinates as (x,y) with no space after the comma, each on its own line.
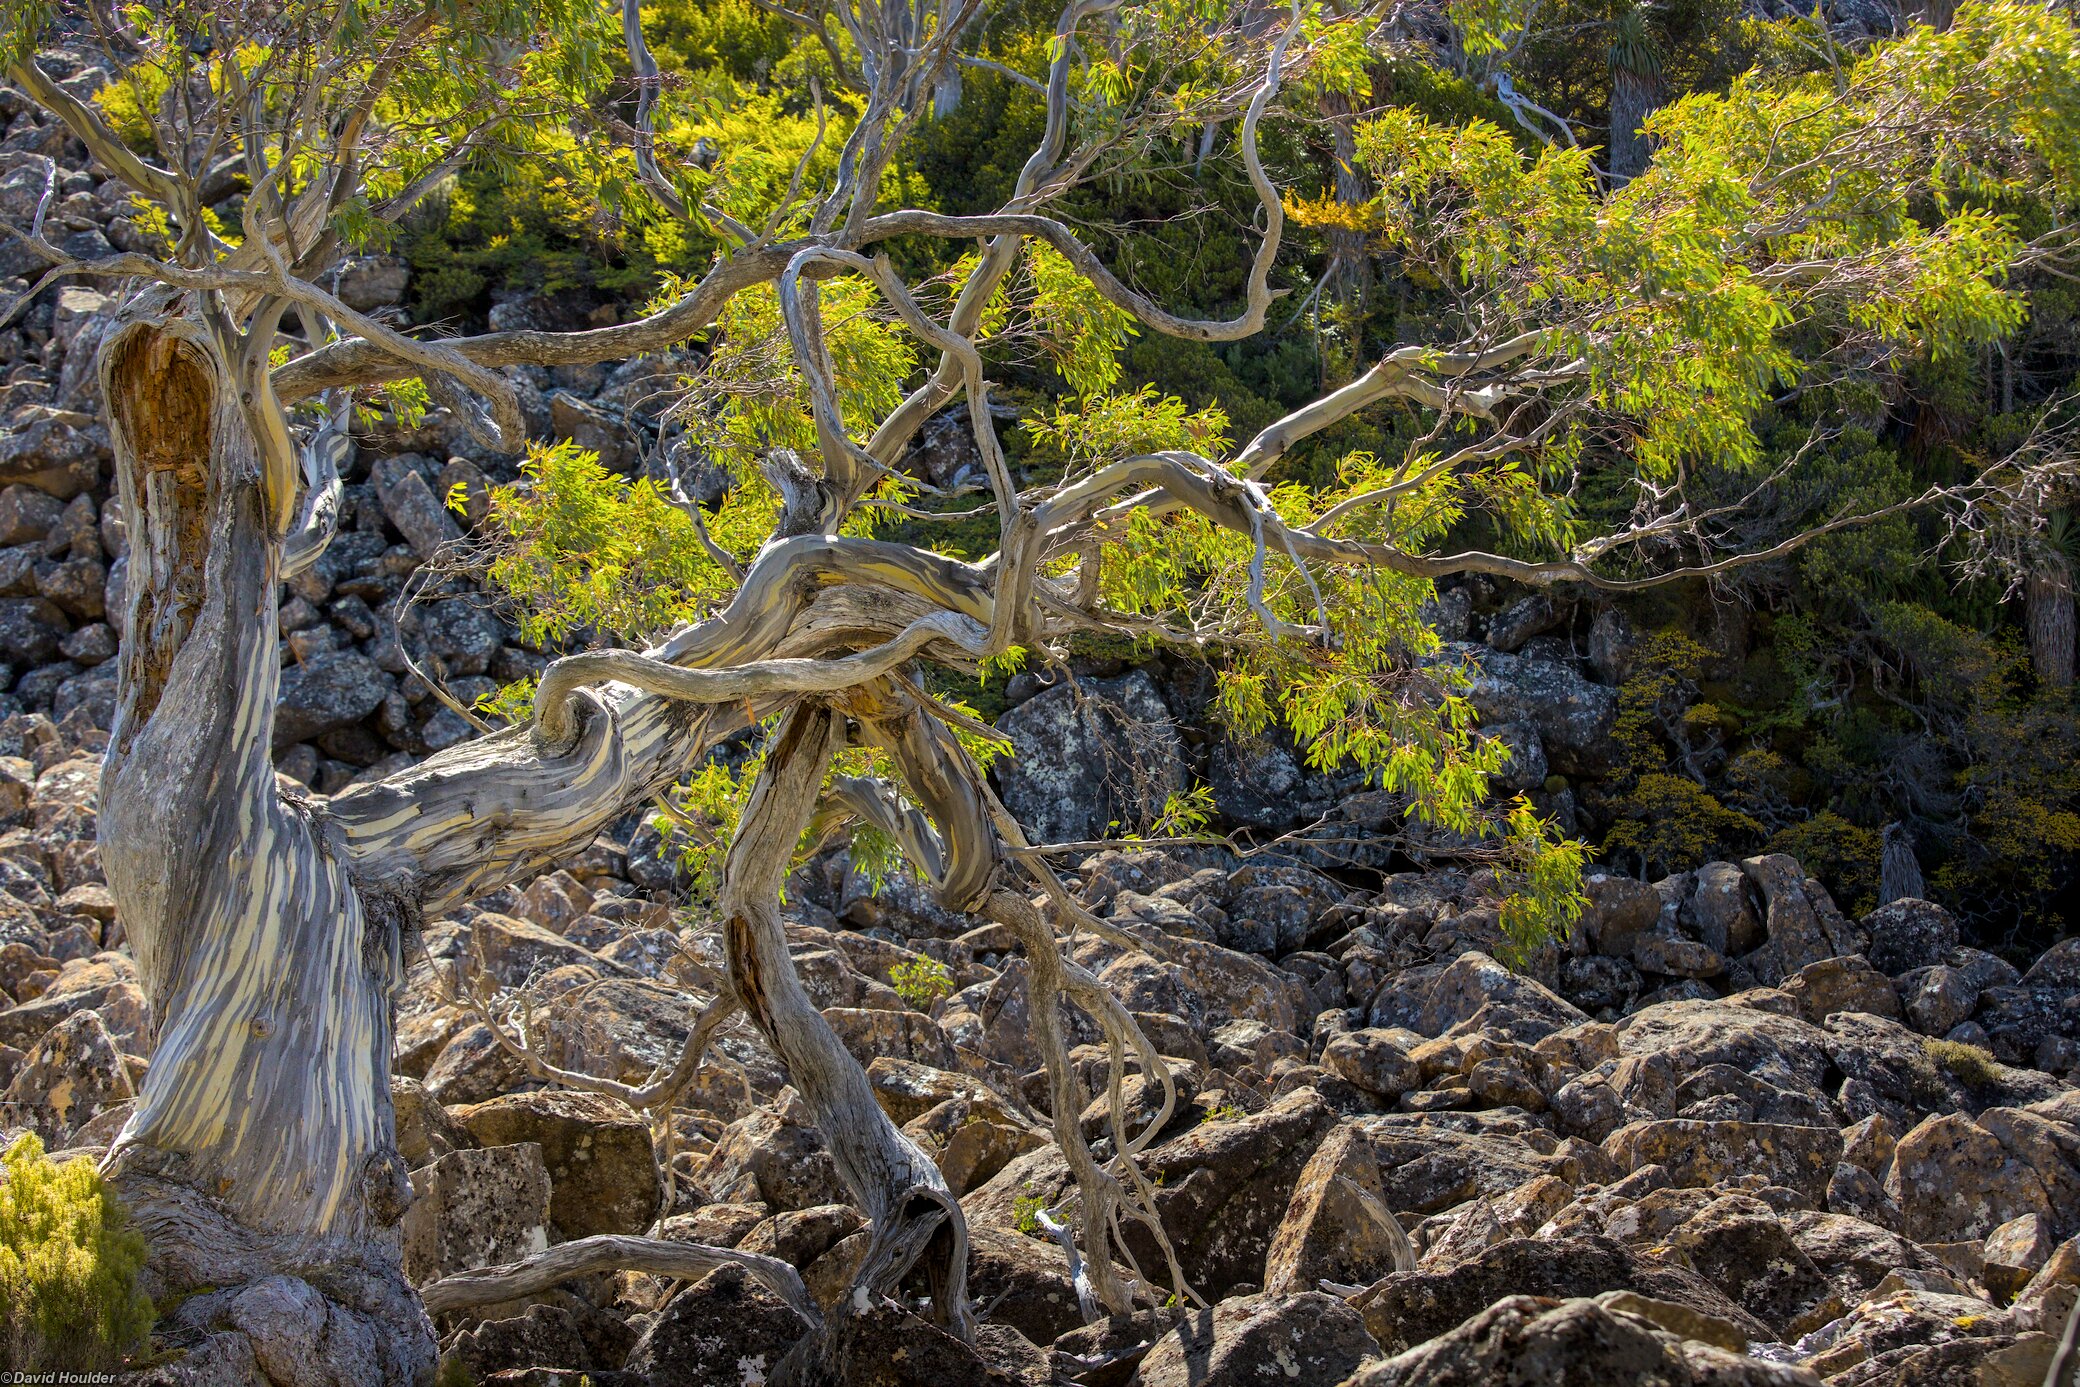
(1795,237)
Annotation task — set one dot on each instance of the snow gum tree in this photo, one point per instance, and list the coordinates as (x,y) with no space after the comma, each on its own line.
(1798,234)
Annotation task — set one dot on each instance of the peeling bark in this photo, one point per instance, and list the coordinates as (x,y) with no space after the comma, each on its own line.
(263,1141)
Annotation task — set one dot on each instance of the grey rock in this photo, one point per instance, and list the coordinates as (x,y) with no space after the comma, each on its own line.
(1112,755)
(1529,616)
(369,282)
(476,1208)
(413,508)
(1908,934)
(334,689)
(1307,1340)
(1573,716)
(57,451)
(27,514)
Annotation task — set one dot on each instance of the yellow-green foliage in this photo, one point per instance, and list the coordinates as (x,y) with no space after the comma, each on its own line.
(1842,855)
(1968,1064)
(68,1266)
(922,982)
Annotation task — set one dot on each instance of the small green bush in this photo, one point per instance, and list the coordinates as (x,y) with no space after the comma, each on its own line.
(68,1266)
(1968,1064)
(921,983)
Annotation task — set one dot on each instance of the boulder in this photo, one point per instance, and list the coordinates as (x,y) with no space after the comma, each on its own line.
(1473,992)
(1375,1060)
(1026,1279)
(105,983)
(61,452)
(477,1208)
(1843,984)
(890,1347)
(516,951)
(724,1328)
(1308,1340)
(1720,910)
(1747,1032)
(1409,1308)
(603,1177)
(1856,1255)
(1953,1180)
(1907,934)
(1937,999)
(1089,756)
(1739,1245)
(545,1336)
(1224,1187)
(2015,1252)
(330,690)
(1704,1154)
(1336,1226)
(1800,921)
(1433,1161)
(1617,909)
(425,1130)
(1573,717)
(74,1074)
(1572,1343)
(774,1159)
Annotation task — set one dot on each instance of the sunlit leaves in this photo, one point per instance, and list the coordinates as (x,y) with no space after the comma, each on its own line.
(580,550)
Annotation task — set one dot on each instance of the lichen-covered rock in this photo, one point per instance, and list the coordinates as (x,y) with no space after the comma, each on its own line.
(1703,1154)
(1843,984)
(1907,934)
(767,1156)
(1571,1343)
(1720,910)
(1435,1160)
(1855,1254)
(1937,999)
(74,1074)
(1434,1001)
(331,690)
(1879,1341)
(1101,753)
(1330,1232)
(476,1208)
(1801,923)
(1617,909)
(1954,1180)
(725,1328)
(1573,717)
(603,1177)
(1375,1059)
(106,984)
(1307,1340)
(1739,1245)
(426,1131)
(1223,1188)
(1408,1308)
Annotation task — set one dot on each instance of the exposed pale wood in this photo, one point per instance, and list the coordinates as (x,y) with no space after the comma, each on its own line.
(614,1252)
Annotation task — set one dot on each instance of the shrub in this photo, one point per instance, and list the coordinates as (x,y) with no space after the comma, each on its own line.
(921,983)
(1968,1064)
(68,1266)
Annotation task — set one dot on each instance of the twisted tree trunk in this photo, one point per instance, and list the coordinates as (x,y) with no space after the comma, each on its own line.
(263,1141)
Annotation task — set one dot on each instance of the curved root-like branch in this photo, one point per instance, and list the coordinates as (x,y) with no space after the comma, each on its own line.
(556,723)
(898,1187)
(614,1252)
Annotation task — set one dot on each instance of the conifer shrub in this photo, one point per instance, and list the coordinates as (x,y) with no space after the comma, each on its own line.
(68,1266)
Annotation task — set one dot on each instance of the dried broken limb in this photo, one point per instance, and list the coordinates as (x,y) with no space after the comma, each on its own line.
(614,1252)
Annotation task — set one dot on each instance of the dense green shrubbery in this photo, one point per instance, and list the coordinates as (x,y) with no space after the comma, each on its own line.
(68,1267)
